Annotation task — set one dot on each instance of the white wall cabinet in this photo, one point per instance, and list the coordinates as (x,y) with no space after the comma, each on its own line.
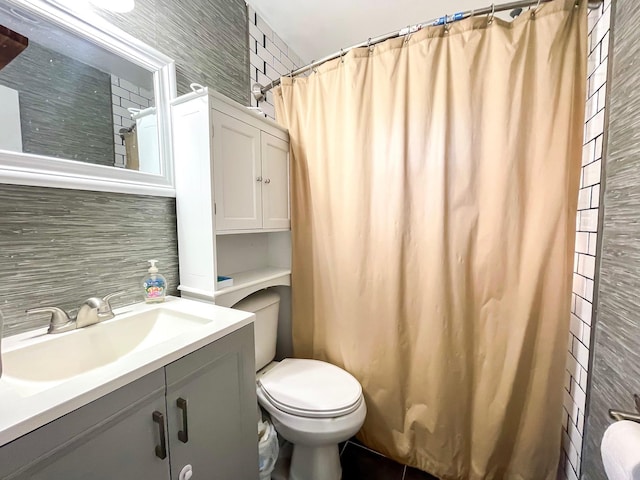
(251,176)
(232,198)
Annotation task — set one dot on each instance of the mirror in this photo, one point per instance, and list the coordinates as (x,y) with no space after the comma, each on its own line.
(83,104)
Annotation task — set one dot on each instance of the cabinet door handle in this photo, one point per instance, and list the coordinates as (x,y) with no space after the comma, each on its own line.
(183,435)
(258,179)
(161,450)
(268,180)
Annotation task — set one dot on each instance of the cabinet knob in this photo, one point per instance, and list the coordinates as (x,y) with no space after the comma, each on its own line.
(259,179)
(268,180)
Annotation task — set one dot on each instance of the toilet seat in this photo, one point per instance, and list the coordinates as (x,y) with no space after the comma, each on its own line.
(311,389)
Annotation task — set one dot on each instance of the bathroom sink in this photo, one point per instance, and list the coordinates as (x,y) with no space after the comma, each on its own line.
(54,358)
(46,376)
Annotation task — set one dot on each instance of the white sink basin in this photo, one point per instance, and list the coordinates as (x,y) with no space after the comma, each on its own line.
(47,376)
(43,364)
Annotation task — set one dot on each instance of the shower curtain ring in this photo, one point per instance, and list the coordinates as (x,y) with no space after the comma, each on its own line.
(341,55)
(535,10)
(492,14)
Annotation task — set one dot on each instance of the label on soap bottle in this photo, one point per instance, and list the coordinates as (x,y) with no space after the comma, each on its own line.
(154,287)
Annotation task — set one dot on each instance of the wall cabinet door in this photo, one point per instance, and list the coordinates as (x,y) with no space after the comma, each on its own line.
(113,437)
(212,410)
(275,182)
(237,174)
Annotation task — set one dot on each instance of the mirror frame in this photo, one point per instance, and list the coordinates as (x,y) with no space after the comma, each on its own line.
(43,171)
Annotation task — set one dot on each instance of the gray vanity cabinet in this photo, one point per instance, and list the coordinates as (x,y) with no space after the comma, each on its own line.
(212,410)
(112,437)
(118,436)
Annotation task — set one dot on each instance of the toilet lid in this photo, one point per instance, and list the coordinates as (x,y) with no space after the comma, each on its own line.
(310,388)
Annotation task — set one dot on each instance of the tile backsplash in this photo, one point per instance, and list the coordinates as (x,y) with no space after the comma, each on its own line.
(59,247)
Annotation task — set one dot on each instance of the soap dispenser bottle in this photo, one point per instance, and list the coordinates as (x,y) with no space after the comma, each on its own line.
(154,285)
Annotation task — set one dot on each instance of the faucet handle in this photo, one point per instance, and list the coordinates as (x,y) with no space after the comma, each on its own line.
(107,306)
(60,320)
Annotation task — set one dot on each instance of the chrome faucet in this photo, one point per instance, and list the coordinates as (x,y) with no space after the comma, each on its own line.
(91,311)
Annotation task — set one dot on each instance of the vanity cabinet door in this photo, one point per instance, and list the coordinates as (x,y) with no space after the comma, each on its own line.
(275,187)
(237,174)
(114,437)
(212,410)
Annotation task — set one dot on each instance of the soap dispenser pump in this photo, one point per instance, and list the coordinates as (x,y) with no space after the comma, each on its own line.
(154,285)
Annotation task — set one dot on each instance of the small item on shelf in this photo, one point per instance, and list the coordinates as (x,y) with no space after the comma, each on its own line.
(154,285)
(224,282)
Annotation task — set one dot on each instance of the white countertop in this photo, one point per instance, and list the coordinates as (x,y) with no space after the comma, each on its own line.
(21,412)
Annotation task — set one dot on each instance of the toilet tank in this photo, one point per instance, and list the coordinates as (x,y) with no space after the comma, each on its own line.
(265,305)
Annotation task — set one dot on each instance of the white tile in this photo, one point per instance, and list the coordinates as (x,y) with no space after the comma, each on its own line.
(273,49)
(595,196)
(288,64)
(143,102)
(148,94)
(604,46)
(272,73)
(589,220)
(582,242)
(588,151)
(579,397)
(584,198)
(120,149)
(588,292)
(264,54)
(592,174)
(595,126)
(586,335)
(256,62)
(269,110)
(264,28)
(599,77)
(581,353)
(602,97)
(593,61)
(576,326)
(583,312)
(256,34)
(119,91)
(280,68)
(587,266)
(593,243)
(597,151)
(280,44)
(572,364)
(129,86)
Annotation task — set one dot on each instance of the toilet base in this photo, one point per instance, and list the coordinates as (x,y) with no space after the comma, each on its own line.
(315,463)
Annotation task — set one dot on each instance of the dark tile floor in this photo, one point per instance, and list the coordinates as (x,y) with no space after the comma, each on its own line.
(360,463)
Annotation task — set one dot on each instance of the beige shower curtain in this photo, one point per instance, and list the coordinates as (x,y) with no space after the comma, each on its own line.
(434,191)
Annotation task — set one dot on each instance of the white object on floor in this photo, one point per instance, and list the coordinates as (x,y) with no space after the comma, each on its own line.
(268,449)
(621,451)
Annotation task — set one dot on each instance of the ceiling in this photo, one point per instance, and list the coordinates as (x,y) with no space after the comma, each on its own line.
(317,28)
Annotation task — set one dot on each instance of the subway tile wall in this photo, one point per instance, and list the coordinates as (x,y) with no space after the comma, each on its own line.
(269,58)
(587,230)
(125,95)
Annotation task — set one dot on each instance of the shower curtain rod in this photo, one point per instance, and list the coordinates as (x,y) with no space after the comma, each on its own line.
(259,91)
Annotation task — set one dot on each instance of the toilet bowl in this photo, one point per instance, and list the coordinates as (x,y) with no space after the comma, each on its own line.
(314,405)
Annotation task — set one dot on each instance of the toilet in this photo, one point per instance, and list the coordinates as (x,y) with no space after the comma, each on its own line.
(314,405)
